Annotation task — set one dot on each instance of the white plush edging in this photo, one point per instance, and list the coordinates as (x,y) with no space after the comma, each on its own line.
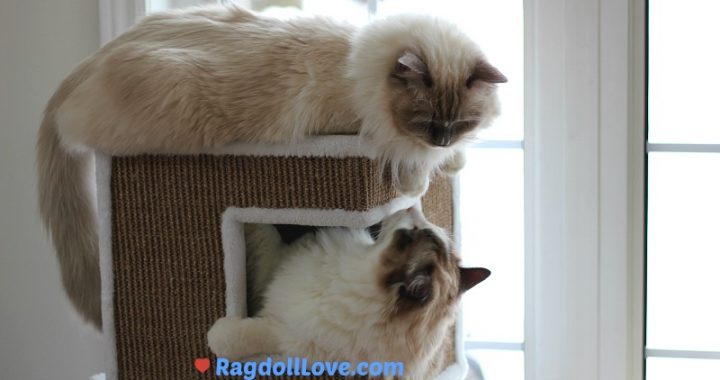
(102,180)
(320,217)
(340,146)
(234,240)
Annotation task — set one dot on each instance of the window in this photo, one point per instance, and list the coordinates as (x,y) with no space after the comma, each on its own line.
(683,248)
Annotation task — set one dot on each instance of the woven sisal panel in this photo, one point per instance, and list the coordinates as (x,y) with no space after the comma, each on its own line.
(167,242)
(438,203)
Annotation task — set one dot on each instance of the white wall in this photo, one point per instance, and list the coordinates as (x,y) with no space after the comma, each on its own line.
(40,335)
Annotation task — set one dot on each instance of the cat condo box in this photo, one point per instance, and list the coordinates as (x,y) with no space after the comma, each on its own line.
(166,231)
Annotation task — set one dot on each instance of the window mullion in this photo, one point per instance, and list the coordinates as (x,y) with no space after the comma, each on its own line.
(689,148)
(498,144)
(686,354)
(483,345)
(584,164)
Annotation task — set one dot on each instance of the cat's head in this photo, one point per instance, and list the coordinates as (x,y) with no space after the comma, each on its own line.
(424,77)
(418,269)
(438,103)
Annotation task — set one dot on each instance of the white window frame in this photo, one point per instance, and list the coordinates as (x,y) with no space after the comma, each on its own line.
(584,184)
(585,179)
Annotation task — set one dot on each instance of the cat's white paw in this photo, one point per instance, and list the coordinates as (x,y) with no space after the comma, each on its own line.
(234,338)
(454,164)
(222,337)
(413,182)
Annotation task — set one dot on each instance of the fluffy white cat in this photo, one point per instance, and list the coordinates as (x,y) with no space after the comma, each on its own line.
(340,295)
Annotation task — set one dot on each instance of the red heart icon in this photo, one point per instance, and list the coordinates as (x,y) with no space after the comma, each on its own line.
(202,364)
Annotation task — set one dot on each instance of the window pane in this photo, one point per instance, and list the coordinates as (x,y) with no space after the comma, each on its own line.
(681,369)
(495,365)
(683,71)
(492,233)
(497,26)
(683,245)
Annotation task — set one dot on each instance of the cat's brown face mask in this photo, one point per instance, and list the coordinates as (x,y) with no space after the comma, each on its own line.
(438,107)
(419,270)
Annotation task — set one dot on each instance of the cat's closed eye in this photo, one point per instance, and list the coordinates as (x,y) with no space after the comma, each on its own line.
(418,289)
(441,133)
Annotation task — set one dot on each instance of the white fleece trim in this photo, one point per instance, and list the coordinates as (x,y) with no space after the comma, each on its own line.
(321,217)
(233,238)
(102,180)
(233,241)
(320,146)
(457,234)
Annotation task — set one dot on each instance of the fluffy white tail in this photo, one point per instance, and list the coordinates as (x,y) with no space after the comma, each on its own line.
(68,211)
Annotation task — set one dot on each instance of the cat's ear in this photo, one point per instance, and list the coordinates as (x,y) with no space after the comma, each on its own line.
(485,72)
(470,277)
(411,68)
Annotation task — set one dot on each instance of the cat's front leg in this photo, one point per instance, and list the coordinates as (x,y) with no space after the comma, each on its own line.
(412,181)
(455,163)
(234,338)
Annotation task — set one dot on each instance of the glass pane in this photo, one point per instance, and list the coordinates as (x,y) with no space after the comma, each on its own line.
(681,369)
(492,233)
(159,5)
(683,245)
(497,26)
(683,71)
(495,365)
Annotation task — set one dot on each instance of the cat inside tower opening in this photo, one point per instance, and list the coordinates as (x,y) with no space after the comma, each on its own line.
(341,294)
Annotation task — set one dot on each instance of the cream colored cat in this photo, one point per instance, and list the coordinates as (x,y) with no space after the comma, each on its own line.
(189,81)
(337,295)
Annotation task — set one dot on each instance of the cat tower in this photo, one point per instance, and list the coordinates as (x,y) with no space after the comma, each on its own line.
(172,248)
